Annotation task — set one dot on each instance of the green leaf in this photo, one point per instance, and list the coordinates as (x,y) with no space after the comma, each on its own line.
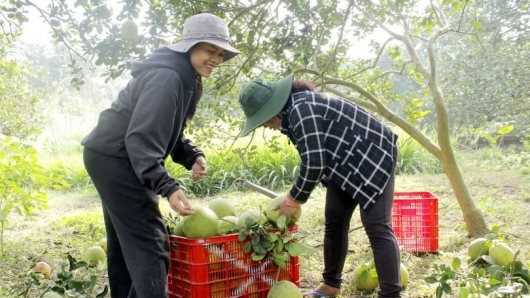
(247,248)
(456,263)
(446,288)
(242,236)
(431,279)
(294,249)
(463,293)
(489,259)
(257,257)
(282,222)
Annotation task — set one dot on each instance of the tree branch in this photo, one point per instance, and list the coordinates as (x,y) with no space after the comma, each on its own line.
(381,25)
(335,49)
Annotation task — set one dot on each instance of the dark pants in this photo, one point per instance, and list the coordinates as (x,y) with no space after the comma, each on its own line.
(378,226)
(137,240)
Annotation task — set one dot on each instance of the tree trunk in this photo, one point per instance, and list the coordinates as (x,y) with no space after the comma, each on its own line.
(476,225)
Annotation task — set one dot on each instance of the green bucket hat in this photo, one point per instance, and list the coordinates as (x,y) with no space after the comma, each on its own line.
(261,100)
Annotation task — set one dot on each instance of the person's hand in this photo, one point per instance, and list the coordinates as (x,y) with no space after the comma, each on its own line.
(199,168)
(289,207)
(179,203)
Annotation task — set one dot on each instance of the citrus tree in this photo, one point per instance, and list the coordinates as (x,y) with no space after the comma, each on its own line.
(317,40)
(20,115)
(22,182)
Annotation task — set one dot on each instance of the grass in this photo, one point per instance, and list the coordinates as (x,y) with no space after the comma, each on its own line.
(499,182)
(74,221)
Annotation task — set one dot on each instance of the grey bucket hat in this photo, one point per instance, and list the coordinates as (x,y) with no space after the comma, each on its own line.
(205,27)
(262,100)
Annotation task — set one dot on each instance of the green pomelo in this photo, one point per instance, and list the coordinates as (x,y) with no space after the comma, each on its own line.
(177,229)
(94,254)
(256,215)
(365,277)
(103,243)
(51,295)
(404,275)
(204,223)
(273,215)
(129,30)
(223,207)
(285,289)
(478,247)
(228,224)
(501,253)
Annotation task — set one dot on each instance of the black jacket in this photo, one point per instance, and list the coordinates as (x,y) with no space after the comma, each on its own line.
(146,123)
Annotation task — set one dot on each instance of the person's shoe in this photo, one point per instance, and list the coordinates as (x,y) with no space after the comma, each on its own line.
(323,291)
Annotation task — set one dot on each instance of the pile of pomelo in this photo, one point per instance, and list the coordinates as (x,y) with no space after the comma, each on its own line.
(221,217)
(499,252)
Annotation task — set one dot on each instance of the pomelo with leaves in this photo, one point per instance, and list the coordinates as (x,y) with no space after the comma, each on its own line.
(256,216)
(273,215)
(501,252)
(365,277)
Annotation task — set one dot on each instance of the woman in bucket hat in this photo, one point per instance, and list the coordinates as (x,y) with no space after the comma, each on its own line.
(352,153)
(126,151)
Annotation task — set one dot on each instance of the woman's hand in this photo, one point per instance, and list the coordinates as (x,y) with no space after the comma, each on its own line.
(199,168)
(179,203)
(289,207)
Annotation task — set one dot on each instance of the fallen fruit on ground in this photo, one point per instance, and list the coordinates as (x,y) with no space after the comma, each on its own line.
(478,247)
(256,215)
(273,215)
(204,223)
(44,268)
(501,253)
(223,207)
(404,275)
(284,289)
(103,243)
(94,254)
(365,277)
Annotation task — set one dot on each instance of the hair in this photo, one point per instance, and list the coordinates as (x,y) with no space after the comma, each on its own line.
(302,85)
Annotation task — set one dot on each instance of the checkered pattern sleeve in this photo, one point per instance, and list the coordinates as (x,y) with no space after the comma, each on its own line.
(307,127)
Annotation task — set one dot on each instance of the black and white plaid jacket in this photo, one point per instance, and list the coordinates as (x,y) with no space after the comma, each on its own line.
(339,142)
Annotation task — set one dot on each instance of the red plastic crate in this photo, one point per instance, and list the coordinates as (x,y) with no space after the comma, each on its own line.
(415,221)
(217,267)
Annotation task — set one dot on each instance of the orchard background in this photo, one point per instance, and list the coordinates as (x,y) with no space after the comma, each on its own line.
(448,76)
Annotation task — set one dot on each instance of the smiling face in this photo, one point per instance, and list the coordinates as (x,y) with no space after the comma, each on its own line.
(205,57)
